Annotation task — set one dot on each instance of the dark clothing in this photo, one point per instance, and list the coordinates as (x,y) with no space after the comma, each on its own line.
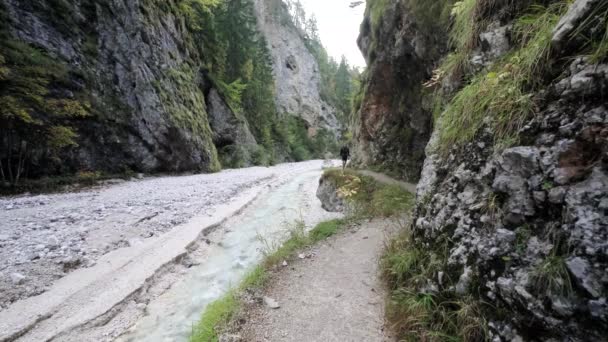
(344,153)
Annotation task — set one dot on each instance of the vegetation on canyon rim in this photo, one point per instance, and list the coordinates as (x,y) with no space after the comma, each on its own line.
(502,95)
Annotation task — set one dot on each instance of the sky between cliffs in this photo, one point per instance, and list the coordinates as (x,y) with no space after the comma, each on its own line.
(338,27)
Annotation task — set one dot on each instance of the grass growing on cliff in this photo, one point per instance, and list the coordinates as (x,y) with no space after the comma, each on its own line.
(598,44)
(417,315)
(376,10)
(501,98)
(551,275)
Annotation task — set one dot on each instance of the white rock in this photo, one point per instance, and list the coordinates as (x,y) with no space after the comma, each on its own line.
(271,303)
(284,263)
(17,278)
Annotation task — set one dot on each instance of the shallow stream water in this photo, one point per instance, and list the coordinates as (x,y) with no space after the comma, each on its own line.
(235,248)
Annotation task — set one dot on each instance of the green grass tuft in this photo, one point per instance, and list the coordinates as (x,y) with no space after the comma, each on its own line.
(419,316)
(325,229)
(463,35)
(391,200)
(216,314)
(551,276)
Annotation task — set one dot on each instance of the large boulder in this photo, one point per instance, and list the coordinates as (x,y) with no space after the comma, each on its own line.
(327,193)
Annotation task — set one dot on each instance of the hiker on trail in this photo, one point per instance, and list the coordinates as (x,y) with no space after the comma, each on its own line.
(345,154)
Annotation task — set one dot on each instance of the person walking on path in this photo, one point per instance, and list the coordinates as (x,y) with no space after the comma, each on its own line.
(345,154)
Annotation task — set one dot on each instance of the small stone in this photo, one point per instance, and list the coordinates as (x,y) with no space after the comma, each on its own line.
(141,306)
(598,308)
(462,287)
(545,139)
(603,204)
(581,271)
(284,263)
(557,195)
(4,237)
(271,303)
(302,256)
(17,278)
(539,197)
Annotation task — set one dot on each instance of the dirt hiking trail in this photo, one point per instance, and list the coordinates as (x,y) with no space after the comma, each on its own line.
(336,295)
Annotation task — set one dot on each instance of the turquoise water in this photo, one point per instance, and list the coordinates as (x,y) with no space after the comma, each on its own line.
(236,248)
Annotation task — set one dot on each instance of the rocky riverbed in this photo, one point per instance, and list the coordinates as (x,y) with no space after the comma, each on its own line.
(44,237)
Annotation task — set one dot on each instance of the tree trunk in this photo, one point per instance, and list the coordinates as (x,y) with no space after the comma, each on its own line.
(10,157)
(2,170)
(20,160)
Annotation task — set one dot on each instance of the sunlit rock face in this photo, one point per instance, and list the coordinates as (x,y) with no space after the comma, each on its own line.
(296,72)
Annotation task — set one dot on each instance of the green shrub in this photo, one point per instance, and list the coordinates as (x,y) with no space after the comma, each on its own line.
(234,156)
(260,157)
(300,153)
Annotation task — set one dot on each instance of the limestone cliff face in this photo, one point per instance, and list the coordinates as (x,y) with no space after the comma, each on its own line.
(296,72)
(136,65)
(523,227)
(392,127)
(153,106)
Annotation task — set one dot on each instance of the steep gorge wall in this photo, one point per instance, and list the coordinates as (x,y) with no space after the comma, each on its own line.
(134,63)
(297,76)
(516,223)
(136,74)
(391,124)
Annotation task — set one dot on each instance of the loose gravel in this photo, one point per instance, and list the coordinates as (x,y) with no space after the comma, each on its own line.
(44,237)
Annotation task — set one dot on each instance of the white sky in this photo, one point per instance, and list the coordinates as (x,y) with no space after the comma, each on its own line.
(338,27)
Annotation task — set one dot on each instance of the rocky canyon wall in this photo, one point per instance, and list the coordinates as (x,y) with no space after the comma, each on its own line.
(297,76)
(512,197)
(391,123)
(136,74)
